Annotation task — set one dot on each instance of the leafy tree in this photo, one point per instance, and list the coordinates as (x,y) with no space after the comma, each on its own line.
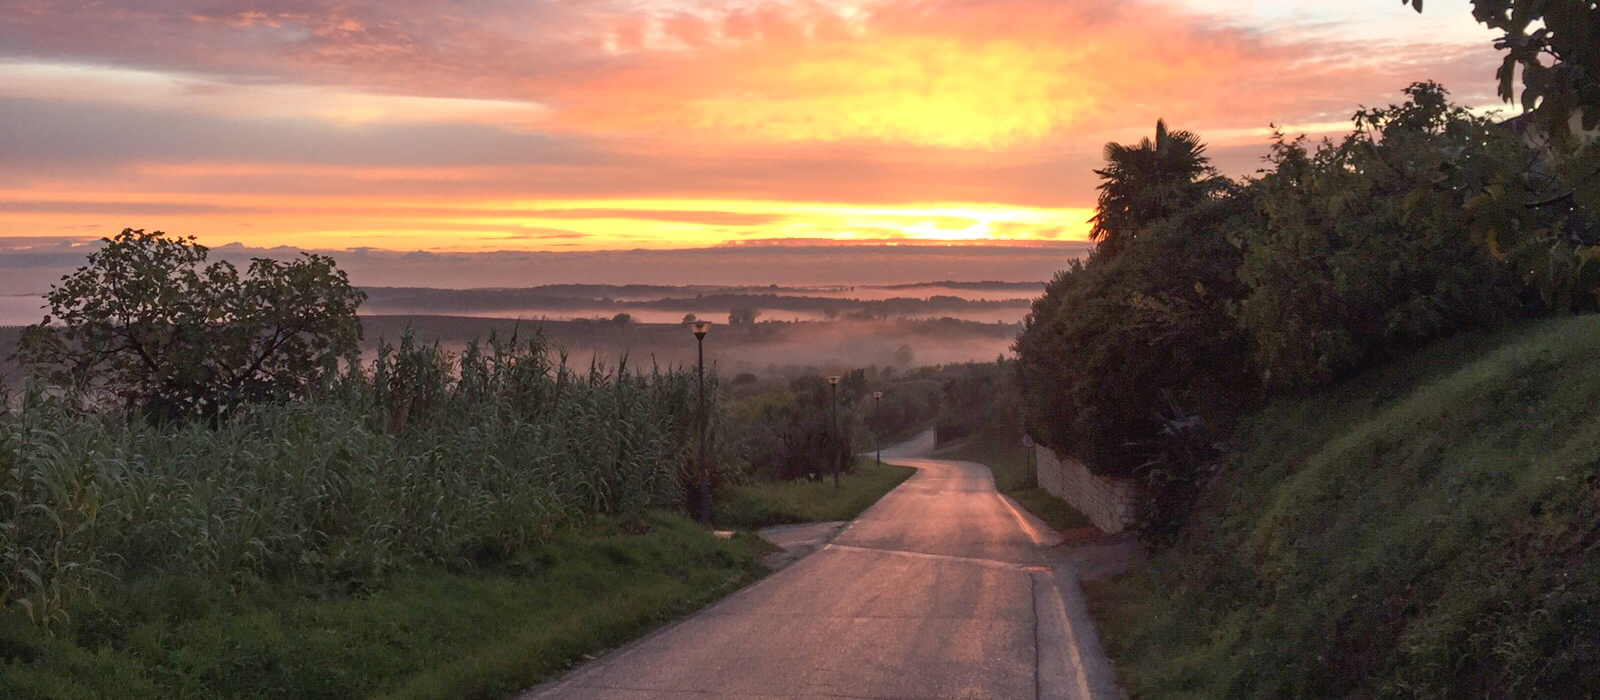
(1131,361)
(792,434)
(1555,45)
(1357,250)
(1146,182)
(148,320)
(980,398)
(1114,343)
(904,356)
(743,316)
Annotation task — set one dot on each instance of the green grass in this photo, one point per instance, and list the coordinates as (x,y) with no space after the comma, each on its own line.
(767,503)
(1425,531)
(432,633)
(1013,476)
(419,460)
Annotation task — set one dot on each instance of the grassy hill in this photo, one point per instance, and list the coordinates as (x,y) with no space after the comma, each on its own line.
(1428,530)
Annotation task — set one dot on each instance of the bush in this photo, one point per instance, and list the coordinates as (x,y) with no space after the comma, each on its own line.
(980,398)
(792,434)
(1357,253)
(1113,343)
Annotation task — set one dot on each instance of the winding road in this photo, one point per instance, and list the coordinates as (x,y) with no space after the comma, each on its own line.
(943,589)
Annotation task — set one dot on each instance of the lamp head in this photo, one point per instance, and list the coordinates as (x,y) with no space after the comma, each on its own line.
(700,328)
(833,380)
(877,395)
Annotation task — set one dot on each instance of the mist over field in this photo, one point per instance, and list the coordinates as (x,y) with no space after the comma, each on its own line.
(815,307)
(984,302)
(769,349)
(780,331)
(796,330)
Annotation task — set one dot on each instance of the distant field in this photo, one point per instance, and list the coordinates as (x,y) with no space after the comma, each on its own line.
(799,330)
(773,348)
(987,302)
(780,349)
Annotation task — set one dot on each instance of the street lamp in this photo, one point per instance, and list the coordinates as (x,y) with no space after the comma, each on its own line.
(833,424)
(700,329)
(877,399)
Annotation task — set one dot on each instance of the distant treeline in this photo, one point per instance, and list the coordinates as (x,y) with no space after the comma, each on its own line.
(788,349)
(688,299)
(1031,288)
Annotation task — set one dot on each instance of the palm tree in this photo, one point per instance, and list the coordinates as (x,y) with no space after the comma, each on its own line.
(1148,182)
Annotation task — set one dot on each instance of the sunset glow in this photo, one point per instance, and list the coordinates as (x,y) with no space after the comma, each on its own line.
(547,125)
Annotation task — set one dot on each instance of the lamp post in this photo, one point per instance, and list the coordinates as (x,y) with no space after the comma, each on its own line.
(877,399)
(700,329)
(833,424)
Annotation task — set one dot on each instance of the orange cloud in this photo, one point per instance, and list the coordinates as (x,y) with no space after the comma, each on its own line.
(966,75)
(669,123)
(983,74)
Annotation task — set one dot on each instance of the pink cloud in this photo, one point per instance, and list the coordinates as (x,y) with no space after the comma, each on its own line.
(790,70)
(889,102)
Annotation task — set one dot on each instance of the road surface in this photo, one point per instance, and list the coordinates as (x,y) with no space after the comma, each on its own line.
(943,589)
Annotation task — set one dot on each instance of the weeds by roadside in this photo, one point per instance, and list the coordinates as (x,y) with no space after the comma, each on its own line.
(766,503)
(429,633)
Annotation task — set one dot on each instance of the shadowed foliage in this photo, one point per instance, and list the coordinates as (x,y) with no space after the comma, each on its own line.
(149,322)
(1146,182)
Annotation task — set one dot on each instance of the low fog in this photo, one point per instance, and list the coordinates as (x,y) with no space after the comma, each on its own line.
(767,349)
(983,302)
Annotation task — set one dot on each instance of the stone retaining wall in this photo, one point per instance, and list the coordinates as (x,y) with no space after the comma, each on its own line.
(1108,502)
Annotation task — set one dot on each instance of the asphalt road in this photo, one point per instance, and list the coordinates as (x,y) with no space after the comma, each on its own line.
(943,589)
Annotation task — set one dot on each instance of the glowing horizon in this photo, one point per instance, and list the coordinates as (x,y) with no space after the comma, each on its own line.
(608,125)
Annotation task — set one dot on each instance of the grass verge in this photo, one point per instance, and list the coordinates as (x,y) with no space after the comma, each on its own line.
(478,633)
(1425,531)
(1014,477)
(768,503)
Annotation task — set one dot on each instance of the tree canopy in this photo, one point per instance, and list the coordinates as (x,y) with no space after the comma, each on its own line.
(1424,221)
(1555,46)
(151,322)
(1145,182)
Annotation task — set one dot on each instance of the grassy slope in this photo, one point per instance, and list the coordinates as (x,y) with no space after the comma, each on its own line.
(429,634)
(1013,477)
(1429,530)
(767,503)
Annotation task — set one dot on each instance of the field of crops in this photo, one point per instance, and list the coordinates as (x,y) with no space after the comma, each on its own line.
(420,457)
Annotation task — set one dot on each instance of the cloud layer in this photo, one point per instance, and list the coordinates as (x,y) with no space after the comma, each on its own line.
(584,124)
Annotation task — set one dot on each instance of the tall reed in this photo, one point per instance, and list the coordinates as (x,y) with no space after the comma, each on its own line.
(420,456)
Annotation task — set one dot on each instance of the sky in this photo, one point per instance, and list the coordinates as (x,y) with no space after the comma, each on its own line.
(468,127)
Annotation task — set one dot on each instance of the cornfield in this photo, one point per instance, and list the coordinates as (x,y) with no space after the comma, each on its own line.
(419,456)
